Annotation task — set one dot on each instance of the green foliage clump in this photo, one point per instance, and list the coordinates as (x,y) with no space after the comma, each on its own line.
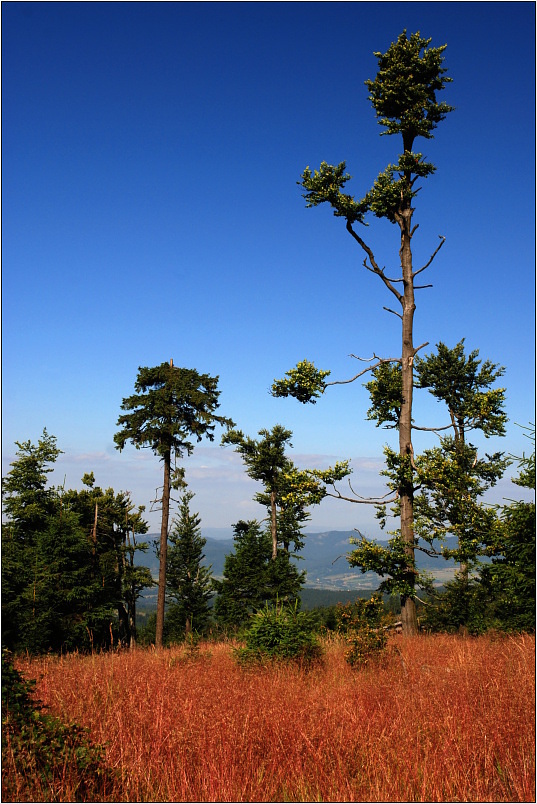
(361,625)
(44,759)
(281,633)
(305,383)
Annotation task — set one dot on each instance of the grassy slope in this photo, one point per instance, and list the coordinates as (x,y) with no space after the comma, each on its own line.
(444,719)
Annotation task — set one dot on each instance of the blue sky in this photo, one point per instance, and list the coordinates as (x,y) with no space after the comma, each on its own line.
(150,211)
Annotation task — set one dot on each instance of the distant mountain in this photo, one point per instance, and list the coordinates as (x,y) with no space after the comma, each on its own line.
(323,558)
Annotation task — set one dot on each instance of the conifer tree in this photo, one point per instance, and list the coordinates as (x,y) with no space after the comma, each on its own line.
(252,577)
(287,491)
(188,580)
(63,551)
(170,407)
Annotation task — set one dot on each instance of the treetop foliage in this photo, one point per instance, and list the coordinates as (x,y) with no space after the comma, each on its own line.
(403,93)
(170,405)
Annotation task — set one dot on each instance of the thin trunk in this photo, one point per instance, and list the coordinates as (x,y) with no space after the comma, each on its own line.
(273,528)
(406,491)
(163,550)
(460,440)
(94,531)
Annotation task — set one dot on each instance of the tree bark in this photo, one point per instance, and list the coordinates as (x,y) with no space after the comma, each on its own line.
(273,527)
(406,491)
(161,599)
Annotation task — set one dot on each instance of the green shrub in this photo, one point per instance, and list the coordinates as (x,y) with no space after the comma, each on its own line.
(362,626)
(281,633)
(42,758)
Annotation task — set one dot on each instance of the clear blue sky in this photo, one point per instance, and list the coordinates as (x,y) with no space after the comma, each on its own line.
(150,211)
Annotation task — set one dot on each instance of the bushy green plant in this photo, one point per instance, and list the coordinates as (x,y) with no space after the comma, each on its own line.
(281,633)
(362,626)
(44,759)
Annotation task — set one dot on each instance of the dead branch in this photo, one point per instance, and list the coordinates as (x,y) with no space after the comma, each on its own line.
(376,357)
(365,501)
(431,429)
(433,255)
(374,265)
(421,346)
(393,311)
(369,368)
(366,498)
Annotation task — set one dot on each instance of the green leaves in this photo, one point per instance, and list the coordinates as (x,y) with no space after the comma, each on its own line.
(463,383)
(386,393)
(403,93)
(305,383)
(325,184)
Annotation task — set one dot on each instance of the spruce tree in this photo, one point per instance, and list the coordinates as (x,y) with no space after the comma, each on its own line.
(188,580)
(252,577)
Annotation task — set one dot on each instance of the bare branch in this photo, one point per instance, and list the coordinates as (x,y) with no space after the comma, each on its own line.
(393,311)
(366,498)
(432,429)
(369,368)
(414,229)
(380,359)
(389,278)
(380,501)
(421,346)
(420,287)
(374,265)
(433,255)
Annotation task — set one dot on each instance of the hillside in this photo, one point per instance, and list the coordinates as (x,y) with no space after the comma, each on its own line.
(323,558)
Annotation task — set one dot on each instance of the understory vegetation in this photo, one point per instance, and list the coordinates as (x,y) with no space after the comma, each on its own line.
(441,718)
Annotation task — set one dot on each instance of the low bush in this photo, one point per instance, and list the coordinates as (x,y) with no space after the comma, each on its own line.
(281,633)
(361,624)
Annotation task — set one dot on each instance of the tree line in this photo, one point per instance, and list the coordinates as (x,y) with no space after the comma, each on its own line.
(68,557)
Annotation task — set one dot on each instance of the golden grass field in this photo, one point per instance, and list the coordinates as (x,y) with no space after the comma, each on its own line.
(444,718)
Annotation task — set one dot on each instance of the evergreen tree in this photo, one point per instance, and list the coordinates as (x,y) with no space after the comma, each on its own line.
(403,95)
(62,561)
(188,581)
(508,583)
(47,587)
(111,525)
(252,577)
(171,405)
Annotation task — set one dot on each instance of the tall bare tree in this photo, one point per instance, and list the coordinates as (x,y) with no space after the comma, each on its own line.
(403,95)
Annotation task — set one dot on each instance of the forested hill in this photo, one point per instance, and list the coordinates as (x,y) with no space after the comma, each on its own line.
(323,557)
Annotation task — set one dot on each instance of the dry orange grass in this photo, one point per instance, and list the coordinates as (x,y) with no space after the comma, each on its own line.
(445,719)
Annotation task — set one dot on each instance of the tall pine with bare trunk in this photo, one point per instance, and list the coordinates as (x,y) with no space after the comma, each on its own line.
(171,406)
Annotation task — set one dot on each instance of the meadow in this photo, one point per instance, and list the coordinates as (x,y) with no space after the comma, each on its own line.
(442,718)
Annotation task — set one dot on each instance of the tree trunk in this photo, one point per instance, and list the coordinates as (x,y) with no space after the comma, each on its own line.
(161,599)
(273,527)
(406,490)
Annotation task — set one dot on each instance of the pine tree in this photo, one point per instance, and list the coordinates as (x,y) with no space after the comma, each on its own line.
(171,406)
